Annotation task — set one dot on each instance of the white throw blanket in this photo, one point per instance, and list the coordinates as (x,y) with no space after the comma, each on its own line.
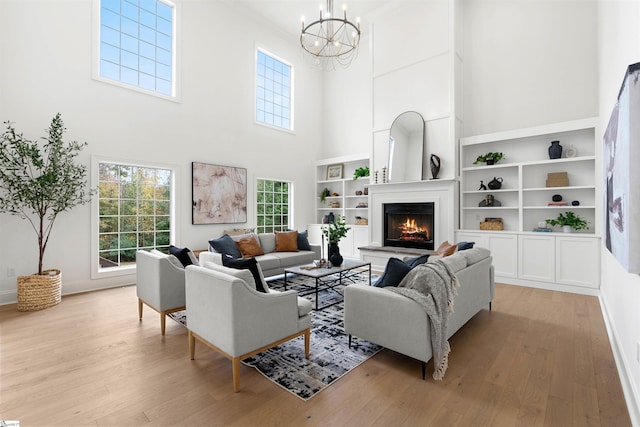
(433,286)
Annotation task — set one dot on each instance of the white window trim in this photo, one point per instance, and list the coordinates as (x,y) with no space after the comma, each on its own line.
(291,199)
(96,271)
(95,55)
(255,91)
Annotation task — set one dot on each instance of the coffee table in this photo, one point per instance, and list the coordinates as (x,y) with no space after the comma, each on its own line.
(346,271)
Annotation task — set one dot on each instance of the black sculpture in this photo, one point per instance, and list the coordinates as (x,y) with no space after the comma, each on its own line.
(435,166)
(482,186)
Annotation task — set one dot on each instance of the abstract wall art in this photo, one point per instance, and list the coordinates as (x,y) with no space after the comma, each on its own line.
(219,194)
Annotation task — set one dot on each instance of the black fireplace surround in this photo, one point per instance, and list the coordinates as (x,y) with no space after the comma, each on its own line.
(409,225)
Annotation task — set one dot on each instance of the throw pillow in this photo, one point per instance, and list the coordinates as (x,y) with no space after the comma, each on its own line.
(226,245)
(463,246)
(247,264)
(446,249)
(286,241)
(414,262)
(249,246)
(303,240)
(182,254)
(268,242)
(393,273)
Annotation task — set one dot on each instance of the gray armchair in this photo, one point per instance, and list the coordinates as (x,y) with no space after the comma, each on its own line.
(225,313)
(159,284)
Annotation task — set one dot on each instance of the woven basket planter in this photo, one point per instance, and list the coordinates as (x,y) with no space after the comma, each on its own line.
(37,292)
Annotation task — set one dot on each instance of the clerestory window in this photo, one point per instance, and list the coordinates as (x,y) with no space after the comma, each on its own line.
(274,91)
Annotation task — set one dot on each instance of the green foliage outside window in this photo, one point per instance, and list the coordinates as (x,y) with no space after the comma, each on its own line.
(272,205)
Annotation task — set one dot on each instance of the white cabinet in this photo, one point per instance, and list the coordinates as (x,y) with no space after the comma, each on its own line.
(568,262)
(536,260)
(578,261)
(503,247)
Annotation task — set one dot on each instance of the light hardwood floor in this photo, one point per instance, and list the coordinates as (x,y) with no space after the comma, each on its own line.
(539,358)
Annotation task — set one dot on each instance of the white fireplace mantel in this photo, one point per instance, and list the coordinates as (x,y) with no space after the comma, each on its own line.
(442,192)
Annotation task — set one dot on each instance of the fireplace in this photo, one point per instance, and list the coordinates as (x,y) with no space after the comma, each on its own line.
(409,225)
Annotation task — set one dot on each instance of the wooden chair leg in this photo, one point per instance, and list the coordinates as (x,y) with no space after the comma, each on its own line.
(307,342)
(140,308)
(424,369)
(192,345)
(163,321)
(236,374)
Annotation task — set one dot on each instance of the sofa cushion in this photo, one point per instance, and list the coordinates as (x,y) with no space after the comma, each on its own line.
(286,241)
(476,254)
(393,273)
(226,245)
(290,259)
(455,262)
(416,261)
(249,264)
(240,274)
(463,246)
(184,255)
(267,242)
(249,246)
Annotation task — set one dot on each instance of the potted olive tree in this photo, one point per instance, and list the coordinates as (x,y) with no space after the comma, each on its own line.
(37,182)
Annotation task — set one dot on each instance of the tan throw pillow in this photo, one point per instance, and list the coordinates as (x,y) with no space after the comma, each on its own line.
(446,248)
(286,241)
(249,246)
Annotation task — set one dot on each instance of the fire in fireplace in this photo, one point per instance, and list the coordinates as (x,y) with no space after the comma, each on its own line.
(409,225)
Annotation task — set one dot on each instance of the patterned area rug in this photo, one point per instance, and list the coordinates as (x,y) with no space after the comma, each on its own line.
(330,356)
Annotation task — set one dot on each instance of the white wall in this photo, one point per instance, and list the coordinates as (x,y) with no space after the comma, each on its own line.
(528,63)
(45,68)
(618,47)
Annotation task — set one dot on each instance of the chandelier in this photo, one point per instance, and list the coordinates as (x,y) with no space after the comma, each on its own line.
(330,39)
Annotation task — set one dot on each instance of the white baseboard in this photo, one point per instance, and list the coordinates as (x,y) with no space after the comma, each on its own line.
(581,290)
(631,395)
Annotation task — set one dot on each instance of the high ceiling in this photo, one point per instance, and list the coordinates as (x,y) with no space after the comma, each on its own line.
(286,14)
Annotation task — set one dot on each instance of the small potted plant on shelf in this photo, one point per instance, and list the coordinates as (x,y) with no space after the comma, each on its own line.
(324,193)
(569,221)
(334,232)
(490,158)
(361,172)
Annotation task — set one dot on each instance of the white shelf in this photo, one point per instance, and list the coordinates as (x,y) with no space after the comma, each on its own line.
(556,189)
(559,207)
(486,208)
(506,190)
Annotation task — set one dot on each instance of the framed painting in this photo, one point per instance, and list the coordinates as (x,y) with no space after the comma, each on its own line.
(219,194)
(335,171)
(621,156)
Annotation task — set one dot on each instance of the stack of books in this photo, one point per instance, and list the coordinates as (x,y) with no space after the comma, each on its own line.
(542,230)
(558,204)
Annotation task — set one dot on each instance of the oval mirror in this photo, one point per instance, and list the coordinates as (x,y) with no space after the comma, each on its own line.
(406,143)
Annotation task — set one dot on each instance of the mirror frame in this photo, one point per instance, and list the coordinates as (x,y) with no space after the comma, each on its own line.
(417,160)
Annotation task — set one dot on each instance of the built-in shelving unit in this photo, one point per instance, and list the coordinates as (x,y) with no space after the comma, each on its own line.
(556,260)
(349,200)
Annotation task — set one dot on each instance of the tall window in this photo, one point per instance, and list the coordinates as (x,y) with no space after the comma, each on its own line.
(274,90)
(137,40)
(273,205)
(134,212)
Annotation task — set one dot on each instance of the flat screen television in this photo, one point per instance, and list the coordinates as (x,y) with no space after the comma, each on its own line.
(621,162)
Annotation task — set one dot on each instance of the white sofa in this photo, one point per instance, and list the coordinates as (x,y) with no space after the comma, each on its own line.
(228,314)
(400,324)
(273,263)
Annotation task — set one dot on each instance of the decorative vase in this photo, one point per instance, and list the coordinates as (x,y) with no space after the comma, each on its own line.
(39,291)
(435,166)
(555,150)
(489,162)
(331,218)
(556,198)
(567,228)
(334,255)
(495,183)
